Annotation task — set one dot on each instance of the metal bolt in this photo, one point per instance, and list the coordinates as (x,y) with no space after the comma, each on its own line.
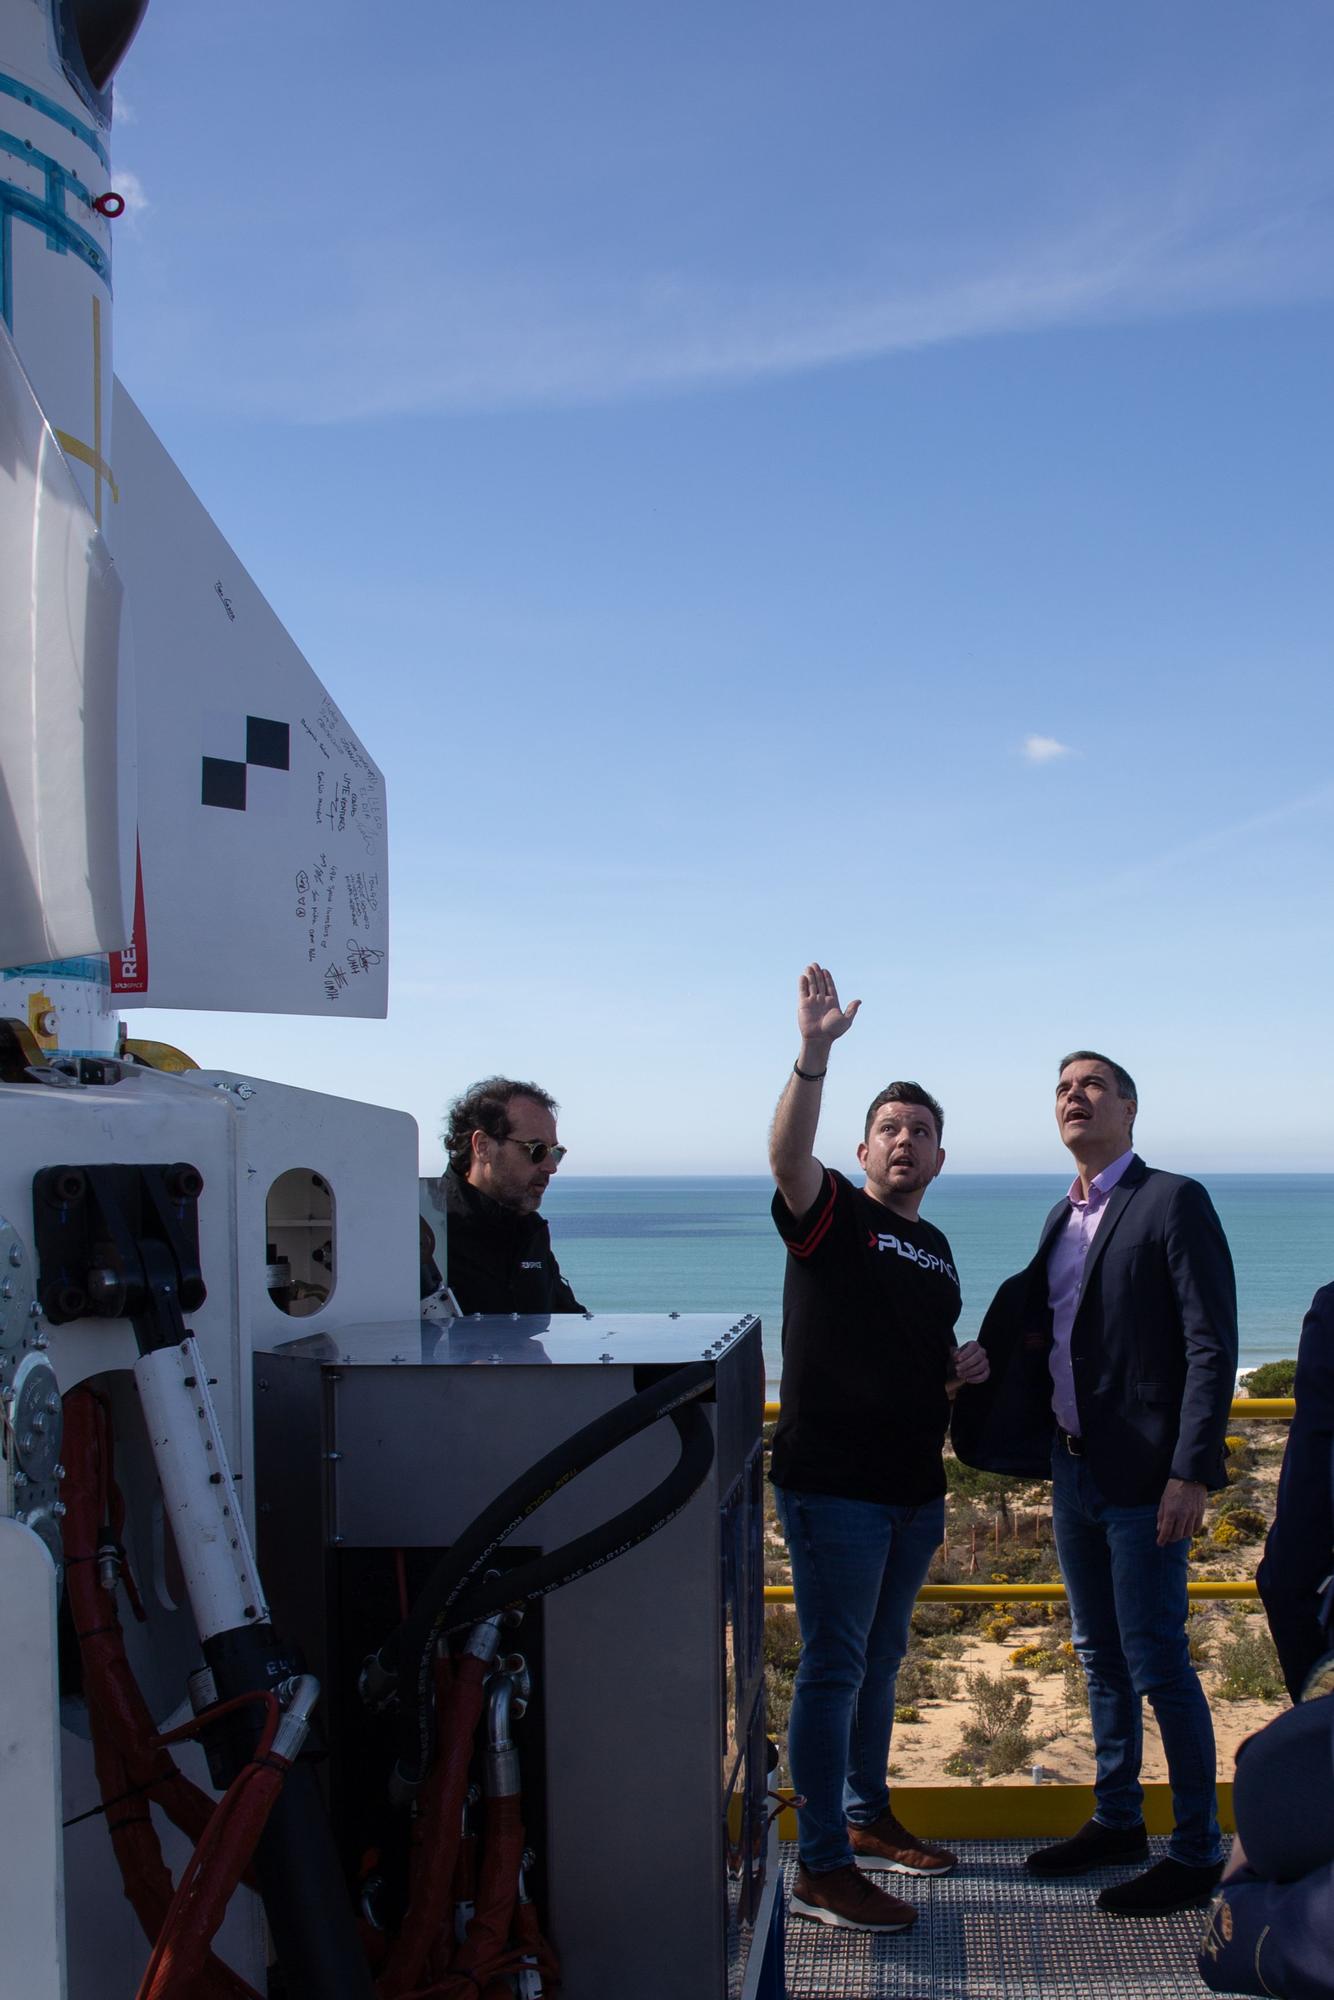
(7,1289)
(333,1456)
(53,1402)
(58,1509)
(34,1310)
(20,1481)
(58,1471)
(606,1357)
(261,1384)
(41,1341)
(39,1422)
(15,1255)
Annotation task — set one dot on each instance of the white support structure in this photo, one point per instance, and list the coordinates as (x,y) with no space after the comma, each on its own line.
(221,1575)
(32,1881)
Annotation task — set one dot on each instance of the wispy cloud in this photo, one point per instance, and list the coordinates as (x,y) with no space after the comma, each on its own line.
(1044,749)
(131,188)
(1239,213)
(1204,846)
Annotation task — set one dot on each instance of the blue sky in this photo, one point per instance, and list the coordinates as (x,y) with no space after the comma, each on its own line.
(771,482)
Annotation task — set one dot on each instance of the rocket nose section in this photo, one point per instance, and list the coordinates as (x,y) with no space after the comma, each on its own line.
(94,36)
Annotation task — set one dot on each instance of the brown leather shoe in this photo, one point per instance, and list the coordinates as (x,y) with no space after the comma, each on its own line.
(886,1844)
(843,1898)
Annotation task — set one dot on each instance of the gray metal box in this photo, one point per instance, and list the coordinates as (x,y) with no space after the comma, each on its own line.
(652,1698)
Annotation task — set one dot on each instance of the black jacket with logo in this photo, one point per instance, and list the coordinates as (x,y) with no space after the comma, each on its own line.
(498,1260)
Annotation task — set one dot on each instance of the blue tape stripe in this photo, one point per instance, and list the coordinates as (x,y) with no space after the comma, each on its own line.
(60,231)
(11,87)
(53,170)
(96,970)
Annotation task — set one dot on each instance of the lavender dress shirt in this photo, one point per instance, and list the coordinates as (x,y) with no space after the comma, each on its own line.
(1065,1282)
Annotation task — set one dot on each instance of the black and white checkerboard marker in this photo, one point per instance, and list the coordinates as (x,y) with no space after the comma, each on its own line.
(225,781)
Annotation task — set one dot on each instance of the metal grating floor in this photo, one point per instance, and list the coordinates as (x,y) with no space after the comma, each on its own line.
(989,1931)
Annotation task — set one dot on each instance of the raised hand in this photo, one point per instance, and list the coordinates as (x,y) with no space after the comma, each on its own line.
(819,1016)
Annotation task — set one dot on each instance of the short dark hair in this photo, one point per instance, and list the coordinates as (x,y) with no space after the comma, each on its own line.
(906,1093)
(484,1107)
(1125,1082)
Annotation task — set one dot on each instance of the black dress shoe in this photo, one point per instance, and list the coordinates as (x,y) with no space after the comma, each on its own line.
(1169,1885)
(1094,1846)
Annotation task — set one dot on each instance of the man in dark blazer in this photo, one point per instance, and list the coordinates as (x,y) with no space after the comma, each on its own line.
(1299,1553)
(1113,1363)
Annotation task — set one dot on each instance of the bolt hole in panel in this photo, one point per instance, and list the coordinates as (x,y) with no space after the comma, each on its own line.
(300,1229)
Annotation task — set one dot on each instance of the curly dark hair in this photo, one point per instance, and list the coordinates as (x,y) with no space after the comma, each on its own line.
(484,1107)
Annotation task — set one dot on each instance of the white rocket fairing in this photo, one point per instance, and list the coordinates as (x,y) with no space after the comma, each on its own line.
(192,803)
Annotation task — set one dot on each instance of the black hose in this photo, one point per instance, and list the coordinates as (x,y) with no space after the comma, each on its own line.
(600,1545)
(452,1595)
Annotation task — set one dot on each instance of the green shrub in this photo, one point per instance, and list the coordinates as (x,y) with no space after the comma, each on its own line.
(1027,1656)
(1240,1524)
(1074,1690)
(1241,1454)
(1248,1665)
(997,1738)
(1271,1378)
(967,1483)
(922,1679)
(782,1639)
(905,1712)
(945,1646)
(1041,1660)
(928,1620)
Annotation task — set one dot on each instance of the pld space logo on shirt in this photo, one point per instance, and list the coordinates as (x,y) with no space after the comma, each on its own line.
(927,1259)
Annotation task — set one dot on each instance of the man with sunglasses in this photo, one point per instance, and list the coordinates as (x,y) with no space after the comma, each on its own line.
(501,1142)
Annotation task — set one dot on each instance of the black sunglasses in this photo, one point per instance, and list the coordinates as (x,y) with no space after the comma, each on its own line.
(538,1150)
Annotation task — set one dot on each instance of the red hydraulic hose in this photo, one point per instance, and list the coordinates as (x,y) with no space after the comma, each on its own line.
(497,1888)
(440,1817)
(209,1881)
(109,1683)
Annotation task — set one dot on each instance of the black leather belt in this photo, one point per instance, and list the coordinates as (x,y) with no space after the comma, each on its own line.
(1073,1444)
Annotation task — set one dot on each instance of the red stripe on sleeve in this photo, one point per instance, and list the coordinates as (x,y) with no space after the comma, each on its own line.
(820,1227)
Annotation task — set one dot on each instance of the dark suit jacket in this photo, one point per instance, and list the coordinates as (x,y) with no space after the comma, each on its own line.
(1300,1551)
(1153,1347)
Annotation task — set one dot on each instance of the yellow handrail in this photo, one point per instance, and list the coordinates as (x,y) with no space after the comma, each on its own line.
(1021,1593)
(1270,1409)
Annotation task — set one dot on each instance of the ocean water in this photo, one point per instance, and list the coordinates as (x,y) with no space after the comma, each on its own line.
(709,1245)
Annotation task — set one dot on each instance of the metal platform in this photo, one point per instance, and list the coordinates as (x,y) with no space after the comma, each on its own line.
(989,1931)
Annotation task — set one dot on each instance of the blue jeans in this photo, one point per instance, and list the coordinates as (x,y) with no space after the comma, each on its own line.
(856,1569)
(1128,1610)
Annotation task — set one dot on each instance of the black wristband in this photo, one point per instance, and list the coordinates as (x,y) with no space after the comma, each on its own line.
(808,1075)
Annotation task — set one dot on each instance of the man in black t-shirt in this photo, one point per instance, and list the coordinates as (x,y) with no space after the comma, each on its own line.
(869,1365)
